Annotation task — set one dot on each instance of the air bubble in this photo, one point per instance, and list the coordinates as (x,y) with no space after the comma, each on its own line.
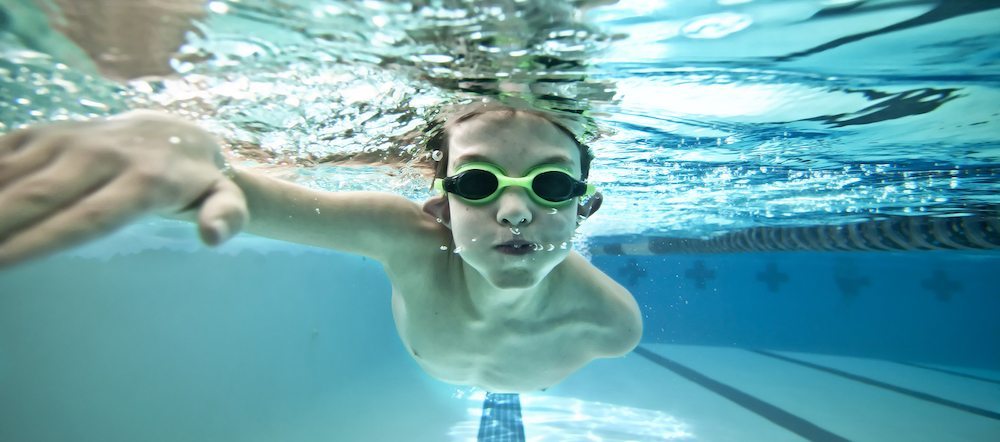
(93,104)
(174,140)
(515,230)
(317,210)
(457,250)
(439,220)
(218,7)
(436,155)
(444,248)
(551,248)
(553,211)
(563,246)
(538,247)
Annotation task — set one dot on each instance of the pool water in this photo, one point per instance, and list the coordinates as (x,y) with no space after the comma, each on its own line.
(801,195)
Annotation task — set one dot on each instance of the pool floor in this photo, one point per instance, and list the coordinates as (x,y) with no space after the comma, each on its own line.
(675,392)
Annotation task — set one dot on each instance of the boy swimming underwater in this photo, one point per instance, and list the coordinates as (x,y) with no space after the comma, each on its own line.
(514,310)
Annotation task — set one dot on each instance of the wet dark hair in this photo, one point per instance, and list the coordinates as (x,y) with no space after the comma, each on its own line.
(439,132)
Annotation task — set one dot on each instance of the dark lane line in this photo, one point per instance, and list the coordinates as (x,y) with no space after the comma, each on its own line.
(782,418)
(951,372)
(501,419)
(890,387)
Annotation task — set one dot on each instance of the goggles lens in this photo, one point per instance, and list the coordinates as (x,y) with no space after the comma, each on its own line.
(475,184)
(553,186)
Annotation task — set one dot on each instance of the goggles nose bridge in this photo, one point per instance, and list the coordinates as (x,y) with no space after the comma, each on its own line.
(510,185)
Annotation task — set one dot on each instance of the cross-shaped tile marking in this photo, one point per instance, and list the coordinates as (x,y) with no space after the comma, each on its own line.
(941,285)
(848,281)
(700,274)
(772,277)
(631,272)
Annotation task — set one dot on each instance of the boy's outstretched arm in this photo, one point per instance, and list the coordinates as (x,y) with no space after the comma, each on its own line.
(380,225)
(65,183)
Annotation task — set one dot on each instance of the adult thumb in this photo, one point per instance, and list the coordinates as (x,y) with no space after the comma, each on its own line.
(223,213)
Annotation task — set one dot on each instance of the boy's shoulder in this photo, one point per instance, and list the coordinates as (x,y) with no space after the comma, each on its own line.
(610,307)
(420,242)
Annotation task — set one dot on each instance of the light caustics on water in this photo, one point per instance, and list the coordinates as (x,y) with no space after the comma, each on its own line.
(711,120)
(554,418)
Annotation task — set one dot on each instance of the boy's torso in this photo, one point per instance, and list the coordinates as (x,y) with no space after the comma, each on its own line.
(499,349)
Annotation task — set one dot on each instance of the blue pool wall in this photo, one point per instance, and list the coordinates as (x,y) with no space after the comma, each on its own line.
(893,306)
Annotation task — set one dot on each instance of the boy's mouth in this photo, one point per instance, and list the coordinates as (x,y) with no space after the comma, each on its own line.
(515,247)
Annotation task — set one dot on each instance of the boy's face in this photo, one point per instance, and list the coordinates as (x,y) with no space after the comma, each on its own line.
(516,144)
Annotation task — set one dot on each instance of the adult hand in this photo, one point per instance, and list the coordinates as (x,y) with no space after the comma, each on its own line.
(64,183)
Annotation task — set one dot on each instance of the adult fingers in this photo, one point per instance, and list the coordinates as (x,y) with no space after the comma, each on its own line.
(223,213)
(48,190)
(24,161)
(104,210)
(13,141)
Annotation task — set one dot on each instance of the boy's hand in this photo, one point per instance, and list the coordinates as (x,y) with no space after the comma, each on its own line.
(64,183)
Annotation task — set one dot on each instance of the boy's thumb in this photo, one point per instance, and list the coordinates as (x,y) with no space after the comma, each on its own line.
(223,213)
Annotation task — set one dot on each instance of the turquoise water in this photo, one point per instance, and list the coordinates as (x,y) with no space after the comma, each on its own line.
(707,118)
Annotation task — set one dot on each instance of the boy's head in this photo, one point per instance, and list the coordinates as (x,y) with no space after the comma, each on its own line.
(440,140)
(516,141)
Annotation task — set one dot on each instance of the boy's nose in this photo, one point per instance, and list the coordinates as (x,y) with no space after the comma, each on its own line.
(514,207)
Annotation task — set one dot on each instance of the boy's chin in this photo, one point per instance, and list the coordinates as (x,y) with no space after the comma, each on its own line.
(518,273)
(515,279)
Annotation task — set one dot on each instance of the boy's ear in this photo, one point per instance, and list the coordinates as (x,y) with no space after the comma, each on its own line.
(437,206)
(590,207)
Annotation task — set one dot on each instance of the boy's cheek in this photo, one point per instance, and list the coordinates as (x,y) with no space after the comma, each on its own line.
(563,222)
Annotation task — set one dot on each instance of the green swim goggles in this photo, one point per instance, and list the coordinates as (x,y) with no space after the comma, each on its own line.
(482,183)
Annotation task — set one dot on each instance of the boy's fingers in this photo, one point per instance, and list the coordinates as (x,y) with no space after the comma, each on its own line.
(46,191)
(101,212)
(223,213)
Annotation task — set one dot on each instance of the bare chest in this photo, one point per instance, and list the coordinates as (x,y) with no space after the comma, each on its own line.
(498,351)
